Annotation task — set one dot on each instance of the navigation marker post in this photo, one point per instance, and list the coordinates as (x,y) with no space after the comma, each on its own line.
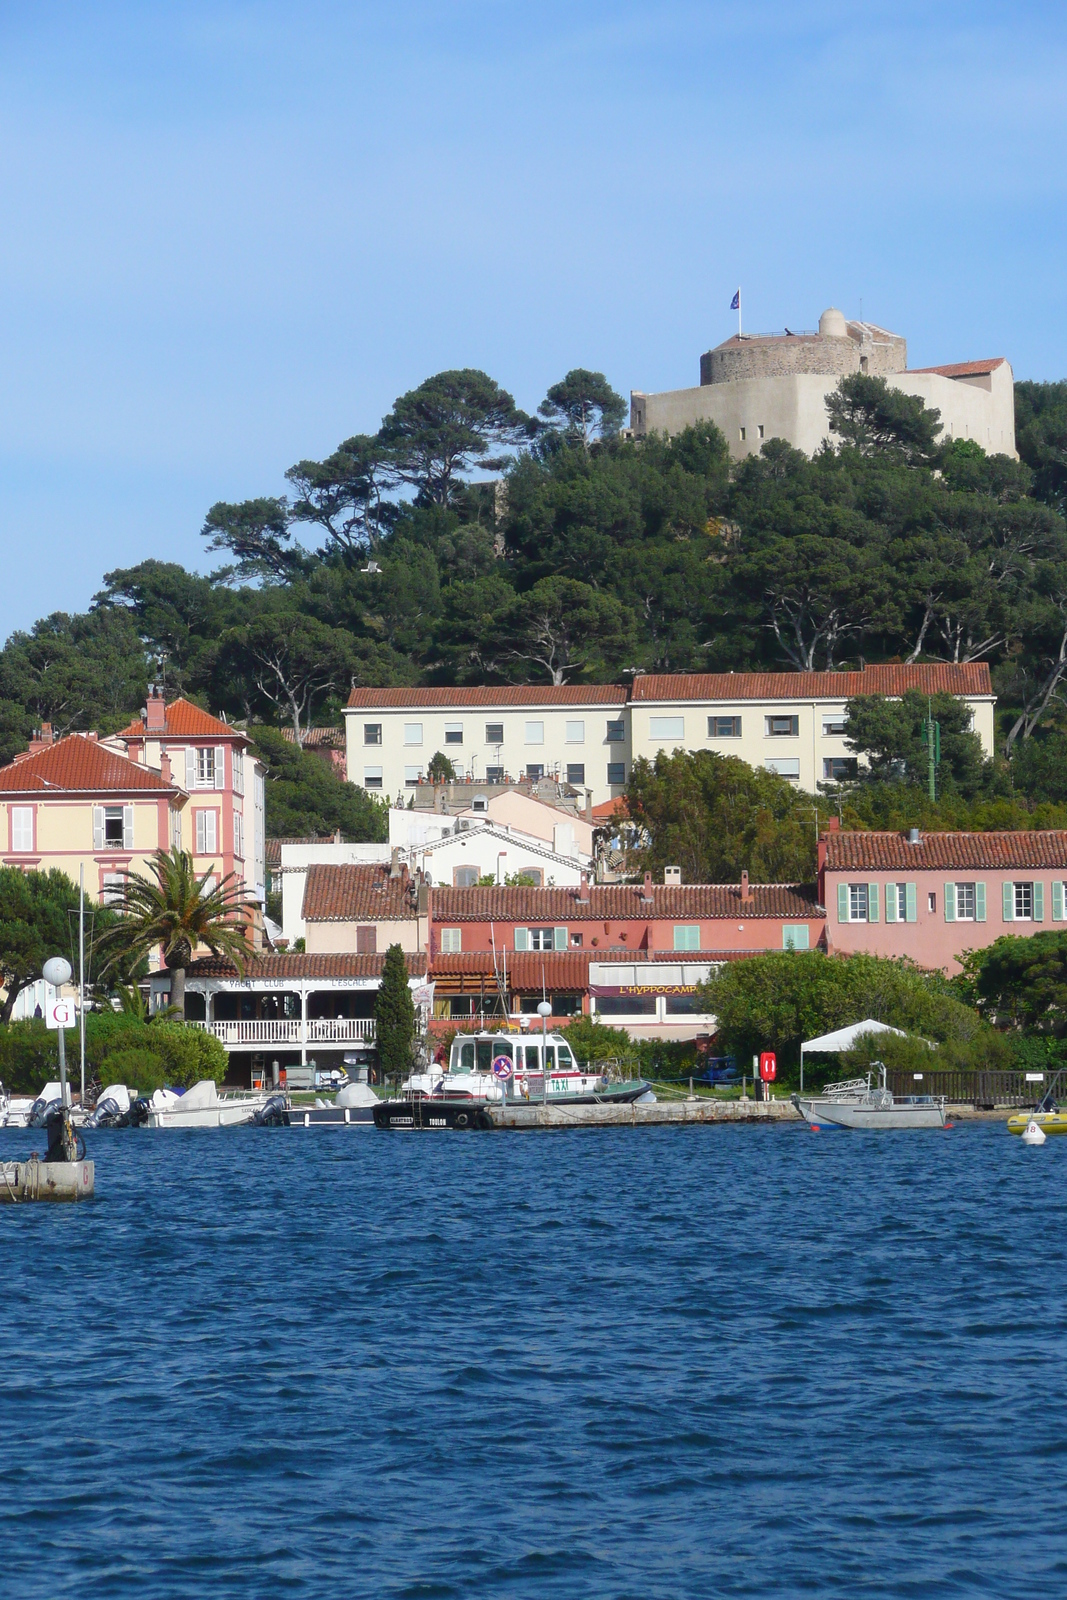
(544,1011)
(57,972)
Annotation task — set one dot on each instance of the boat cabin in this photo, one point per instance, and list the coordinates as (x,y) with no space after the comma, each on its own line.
(524,1053)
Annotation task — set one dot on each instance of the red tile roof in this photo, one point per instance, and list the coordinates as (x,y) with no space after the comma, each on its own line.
(185,721)
(938,852)
(318,738)
(358,893)
(621,902)
(964,369)
(79,764)
(569,694)
(273,847)
(610,808)
(562,969)
(283,965)
(971,678)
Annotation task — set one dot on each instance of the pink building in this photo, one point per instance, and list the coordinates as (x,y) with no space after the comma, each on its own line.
(934,896)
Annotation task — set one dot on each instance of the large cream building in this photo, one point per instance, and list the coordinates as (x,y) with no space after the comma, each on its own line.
(760,386)
(791,723)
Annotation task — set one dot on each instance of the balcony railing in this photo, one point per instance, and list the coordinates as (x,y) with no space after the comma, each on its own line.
(289,1031)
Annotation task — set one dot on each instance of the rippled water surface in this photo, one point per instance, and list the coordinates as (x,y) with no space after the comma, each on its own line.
(660,1362)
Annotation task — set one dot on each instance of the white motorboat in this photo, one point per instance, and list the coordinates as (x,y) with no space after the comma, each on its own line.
(15,1108)
(486,1066)
(203,1107)
(860,1103)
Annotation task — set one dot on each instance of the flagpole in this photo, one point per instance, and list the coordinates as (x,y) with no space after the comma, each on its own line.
(739,313)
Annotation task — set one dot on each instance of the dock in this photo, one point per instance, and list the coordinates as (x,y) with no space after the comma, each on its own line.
(45,1180)
(638,1115)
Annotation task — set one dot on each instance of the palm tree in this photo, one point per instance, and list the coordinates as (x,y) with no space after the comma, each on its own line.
(178,912)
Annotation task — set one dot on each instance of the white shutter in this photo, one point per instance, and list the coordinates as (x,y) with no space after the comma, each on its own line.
(522,938)
(98,827)
(127,827)
(190,768)
(220,766)
(201,832)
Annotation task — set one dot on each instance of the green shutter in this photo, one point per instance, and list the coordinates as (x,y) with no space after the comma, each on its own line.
(522,938)
(891,898)
(1057,899)
(842,902)
(979,902)
(1008,901)
(1039,902)
(950,902)
(910,900)
(559,938)
(872,902)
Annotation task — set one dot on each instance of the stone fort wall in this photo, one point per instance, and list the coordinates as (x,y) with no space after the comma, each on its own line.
(785,355)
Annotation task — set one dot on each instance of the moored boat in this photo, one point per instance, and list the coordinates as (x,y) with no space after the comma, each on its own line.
(203,1107)
(860,1103)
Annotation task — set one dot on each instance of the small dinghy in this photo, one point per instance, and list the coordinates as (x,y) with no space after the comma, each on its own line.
(1046,1115)
(860,1103)
(203,1107)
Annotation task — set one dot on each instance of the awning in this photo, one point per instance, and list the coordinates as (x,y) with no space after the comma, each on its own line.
(845,1038)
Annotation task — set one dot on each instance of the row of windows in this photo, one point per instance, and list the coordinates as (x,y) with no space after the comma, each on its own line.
(374,777)
(113,830)
(659,728)
(686,937)
(1021,901)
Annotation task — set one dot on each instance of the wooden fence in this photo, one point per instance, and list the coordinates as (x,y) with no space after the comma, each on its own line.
(987,1089)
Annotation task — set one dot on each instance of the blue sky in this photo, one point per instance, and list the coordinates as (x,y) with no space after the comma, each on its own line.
(233,233)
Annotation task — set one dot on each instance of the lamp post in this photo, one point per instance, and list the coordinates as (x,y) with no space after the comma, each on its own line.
(544,1011)
(57,972)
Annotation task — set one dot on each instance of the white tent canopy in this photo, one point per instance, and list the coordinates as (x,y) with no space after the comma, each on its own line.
(843,1039)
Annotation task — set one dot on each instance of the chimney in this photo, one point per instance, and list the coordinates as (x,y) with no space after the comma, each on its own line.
(747,896)
(583,891)
(647,895)
(394,862)
(834,824)
(337,836)
(914,837)
(589,805)
(43,737)
(164,767)
(155,711)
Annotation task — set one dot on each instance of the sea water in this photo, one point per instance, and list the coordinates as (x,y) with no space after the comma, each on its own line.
(628,1363)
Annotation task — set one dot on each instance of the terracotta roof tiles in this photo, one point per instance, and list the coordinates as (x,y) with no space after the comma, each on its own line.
(939,852)
(971,678)
(184,721)
(79,764)
(284,965)
(964,369)
(569,694)
(358,893)
(622,902)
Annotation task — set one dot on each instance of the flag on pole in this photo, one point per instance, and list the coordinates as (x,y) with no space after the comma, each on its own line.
(735,303)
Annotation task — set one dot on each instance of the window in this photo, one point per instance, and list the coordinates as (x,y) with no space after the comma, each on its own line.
(900,899)
(626,1005)
(742,435)
(682,1005)
(576,941)
(576,773)
(838,769)
(176,829)
(462,1006)
(857,902)
(616,733)
(372,733)
(616,774)
(536,876)
(479,803)
(237,762)
(113,890)
(687,936)
(542,939)
(494,774)
(534,772)
(113,827)
(367,940)
(761,430)
(465,877)
(834,727)
(412,777)
(535,733)
(494,733)
(724,727)
(453,733)
(207,832)
(22,827)
(205,768)
(566,1005)
(795,936)
(964,902)
(931,901)
(575,732)
(372,777)
(782,727)
(413,733)
(238,835)
(785,766)
(209,883)
(666,727)
(451,941)
(1024,902)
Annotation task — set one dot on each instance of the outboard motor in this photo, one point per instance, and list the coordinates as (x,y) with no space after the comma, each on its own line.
(63,1143)
(137,1115)
(112,1108)
(273,1113)
(42,1110)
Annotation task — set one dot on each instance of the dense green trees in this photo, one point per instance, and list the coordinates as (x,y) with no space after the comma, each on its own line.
(38,919)
(394,1015)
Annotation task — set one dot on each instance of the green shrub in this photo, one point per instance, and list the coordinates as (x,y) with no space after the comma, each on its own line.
(29,1056)
(591,1040)
(189,1054)
(136,1068)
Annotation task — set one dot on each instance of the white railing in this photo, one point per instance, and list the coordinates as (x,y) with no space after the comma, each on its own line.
(289,1030)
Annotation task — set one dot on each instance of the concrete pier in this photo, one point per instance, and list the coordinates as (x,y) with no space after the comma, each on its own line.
(636,1115)
(46,1180)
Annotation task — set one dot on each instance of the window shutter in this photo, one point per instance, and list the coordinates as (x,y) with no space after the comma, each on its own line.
(559,939)
(522,938)
(910,901)
(979,902)
(190,768)
(220,766)
(872,902)
(1057,899)
(98,827)
(127,827)
(201,833)
(1039,902)
(842,902)
(891,898)
(1008,901)
(950,902)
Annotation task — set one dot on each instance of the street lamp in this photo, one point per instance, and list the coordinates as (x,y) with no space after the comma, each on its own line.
(544,1011)
(57,972)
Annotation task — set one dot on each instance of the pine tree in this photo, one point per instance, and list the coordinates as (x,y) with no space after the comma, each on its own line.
(394,1014)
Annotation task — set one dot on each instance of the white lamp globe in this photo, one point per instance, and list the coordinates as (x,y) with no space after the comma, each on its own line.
(544,1008)
(56,971)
